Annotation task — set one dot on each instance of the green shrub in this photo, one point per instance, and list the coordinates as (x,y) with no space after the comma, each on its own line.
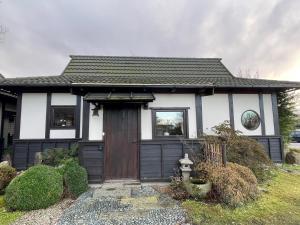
(75,178)
(38,187)
(7,173)
(290,158)
(233,185)
(245,151)
(56,156)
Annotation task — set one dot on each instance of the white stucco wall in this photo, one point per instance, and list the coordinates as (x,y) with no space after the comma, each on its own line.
(241,103)
(63,99)
(269,119)
(215,110)
(95,125)
(169,100)
(33,115)
(62,134)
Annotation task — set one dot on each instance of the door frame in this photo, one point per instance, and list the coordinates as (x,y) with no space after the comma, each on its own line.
(138,106)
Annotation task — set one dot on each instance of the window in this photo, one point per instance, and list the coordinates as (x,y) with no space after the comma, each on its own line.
(63,117)
(169,123)
(250,120)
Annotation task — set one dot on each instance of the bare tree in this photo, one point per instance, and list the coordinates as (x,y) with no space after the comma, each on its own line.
(247,73)
(3,30)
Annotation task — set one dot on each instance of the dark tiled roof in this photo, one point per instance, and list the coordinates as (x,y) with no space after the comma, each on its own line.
(36,81)
(146,71)
(145,67)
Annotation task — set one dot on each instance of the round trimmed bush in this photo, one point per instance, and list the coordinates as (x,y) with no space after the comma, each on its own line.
(38,187)
(75,178)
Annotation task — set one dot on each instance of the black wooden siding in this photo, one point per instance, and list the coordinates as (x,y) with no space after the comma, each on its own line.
(24,150)
(273,146)
(91,157)
(158,159)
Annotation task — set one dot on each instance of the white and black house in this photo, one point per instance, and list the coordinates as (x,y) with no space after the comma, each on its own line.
(7,119)
(130,115)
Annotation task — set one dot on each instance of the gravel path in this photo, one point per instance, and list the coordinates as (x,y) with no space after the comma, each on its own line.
(111,205)
(47,216)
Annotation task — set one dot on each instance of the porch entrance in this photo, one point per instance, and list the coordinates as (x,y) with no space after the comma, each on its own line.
(121,141)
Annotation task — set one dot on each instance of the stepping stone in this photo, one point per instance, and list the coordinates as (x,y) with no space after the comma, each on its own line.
(116,191)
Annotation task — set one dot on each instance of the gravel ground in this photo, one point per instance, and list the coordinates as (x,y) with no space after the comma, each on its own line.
(143,205)
(47,216)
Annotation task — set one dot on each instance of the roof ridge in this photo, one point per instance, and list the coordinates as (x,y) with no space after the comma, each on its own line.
(28,77)
(144,57)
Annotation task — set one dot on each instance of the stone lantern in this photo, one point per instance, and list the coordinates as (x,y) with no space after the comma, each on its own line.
(186,167)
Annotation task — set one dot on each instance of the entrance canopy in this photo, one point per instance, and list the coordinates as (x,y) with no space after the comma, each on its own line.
(119,97)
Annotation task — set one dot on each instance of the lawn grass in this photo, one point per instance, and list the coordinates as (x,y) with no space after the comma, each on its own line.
(291,167)
(7,217)
(279,205)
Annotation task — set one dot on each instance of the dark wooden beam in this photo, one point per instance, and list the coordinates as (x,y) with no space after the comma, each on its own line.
(48,115)
(2,119)
(275,113)
(77,116)
(199,116)
(18,117)
(262,113)
(85,120)
(231,110)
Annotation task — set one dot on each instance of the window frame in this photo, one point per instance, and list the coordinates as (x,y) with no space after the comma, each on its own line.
(52,126)
(170,109)
(251,110)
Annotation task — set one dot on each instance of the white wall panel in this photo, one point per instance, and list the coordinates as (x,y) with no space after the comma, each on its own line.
(33,115)
(269,119)
(63,99)
(215,110)
(95,125)
(62,134)
(241,103)
(169,100)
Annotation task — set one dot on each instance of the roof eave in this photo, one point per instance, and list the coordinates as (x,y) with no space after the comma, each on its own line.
(143,85)
(259,86)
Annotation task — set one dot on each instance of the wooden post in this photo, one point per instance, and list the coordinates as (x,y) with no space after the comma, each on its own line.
(224,158)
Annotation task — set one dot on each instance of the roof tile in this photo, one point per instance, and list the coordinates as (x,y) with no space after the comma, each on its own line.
(146,71)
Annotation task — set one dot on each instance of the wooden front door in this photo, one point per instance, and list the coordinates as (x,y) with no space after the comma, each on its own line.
(121,142)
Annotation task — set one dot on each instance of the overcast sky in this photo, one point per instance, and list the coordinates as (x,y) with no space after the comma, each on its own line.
(258,36)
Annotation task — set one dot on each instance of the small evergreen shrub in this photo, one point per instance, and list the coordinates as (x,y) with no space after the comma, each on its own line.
(293,156)
(233,185)
(38,187)
(7,173)
(56,156)
(75,178)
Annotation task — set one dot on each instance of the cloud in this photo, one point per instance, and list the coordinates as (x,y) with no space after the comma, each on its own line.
(254,35)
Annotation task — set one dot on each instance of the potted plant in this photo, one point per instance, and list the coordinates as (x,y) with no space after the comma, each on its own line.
(202,185)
